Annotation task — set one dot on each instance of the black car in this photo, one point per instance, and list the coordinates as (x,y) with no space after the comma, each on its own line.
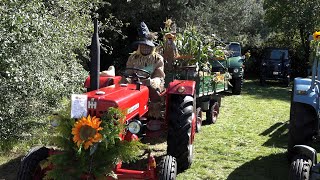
(275,65)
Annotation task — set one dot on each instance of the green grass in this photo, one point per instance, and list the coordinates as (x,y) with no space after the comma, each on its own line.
(249,139)
(247,142)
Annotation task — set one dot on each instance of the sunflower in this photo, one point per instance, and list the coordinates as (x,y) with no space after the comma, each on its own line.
(86,131)
(316,35)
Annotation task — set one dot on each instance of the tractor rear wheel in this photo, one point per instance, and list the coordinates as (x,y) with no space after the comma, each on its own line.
(167,168)
(237,85)
(303,121)
(213,112)
(30,164)
(180,130)
(300,168)
(199,119)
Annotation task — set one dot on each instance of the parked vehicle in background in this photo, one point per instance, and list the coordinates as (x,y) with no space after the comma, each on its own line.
(275,65)
(234,64)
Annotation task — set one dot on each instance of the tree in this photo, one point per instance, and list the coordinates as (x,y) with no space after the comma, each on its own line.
(40,45)
(293,18)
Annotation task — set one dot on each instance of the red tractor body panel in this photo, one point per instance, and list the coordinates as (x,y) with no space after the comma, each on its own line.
(133,102)
(188,85)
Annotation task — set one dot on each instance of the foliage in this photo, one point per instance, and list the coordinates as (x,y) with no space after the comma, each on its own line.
(100,159)
(295,19)
(41,43)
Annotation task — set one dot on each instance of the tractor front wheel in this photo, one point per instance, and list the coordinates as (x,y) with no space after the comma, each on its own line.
(180,130)
(300,168)
(237,85)
(303,120)
(167,168)
(30,164)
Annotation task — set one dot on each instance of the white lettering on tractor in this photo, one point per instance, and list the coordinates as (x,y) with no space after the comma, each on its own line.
(134,107)
(92,104)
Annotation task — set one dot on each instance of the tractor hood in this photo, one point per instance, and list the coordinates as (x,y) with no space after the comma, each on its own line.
(125,97)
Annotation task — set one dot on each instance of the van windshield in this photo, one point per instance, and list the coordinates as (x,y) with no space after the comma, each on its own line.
(277,54)
(235,50)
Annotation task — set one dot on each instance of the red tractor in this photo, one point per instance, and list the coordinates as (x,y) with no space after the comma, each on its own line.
(105,92)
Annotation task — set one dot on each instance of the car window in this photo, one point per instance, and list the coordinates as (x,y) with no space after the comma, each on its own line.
(277,54)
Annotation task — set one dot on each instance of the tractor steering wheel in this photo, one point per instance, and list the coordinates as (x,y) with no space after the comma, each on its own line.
(145,74)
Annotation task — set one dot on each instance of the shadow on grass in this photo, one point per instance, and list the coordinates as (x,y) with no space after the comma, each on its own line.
(278,134)
(272,167)
(9,170)
(272,90)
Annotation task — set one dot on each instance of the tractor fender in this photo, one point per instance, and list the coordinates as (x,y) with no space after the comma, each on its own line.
(185,87)
(303,93)
(307,151)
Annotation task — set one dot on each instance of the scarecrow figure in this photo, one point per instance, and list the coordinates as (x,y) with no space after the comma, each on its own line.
(146,58)
(170,51)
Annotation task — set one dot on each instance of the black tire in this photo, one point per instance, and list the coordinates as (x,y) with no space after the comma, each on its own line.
(179,131)
(199,119)
(287,81)
(303,121)
(213,112)
(300,168)
(262,81)
(237,86)
(167,168)
(29,167)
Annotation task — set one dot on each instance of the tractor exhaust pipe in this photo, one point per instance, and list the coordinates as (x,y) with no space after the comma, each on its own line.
(95,59)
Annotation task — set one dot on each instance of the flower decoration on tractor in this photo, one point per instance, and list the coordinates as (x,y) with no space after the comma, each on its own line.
(86,131)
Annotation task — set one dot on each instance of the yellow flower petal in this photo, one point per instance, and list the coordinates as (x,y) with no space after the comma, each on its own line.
(86,130)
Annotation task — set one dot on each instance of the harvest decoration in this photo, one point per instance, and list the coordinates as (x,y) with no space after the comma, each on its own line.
(316,36)
(90,146)
(86,131)
(315,45)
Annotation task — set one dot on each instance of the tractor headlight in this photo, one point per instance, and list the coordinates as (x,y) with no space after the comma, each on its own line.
(235,70)
(134,126)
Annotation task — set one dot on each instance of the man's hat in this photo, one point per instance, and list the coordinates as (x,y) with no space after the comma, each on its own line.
(145,36)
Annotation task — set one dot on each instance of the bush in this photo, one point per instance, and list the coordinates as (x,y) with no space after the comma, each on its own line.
(38,63)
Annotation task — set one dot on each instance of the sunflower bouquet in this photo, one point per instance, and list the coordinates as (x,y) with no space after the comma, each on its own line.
(90,146)
(315,44)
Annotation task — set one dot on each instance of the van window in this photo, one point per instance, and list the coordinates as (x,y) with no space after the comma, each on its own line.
(277,54)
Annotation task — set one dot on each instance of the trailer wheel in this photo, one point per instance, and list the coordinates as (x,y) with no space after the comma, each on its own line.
(300,168)
(212,114)
(30,164)
(237,86)
(167,168)
(199,119)
(179,130)
(303,120)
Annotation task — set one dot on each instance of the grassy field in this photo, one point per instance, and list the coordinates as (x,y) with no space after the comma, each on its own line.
(249,139)
(247,142)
